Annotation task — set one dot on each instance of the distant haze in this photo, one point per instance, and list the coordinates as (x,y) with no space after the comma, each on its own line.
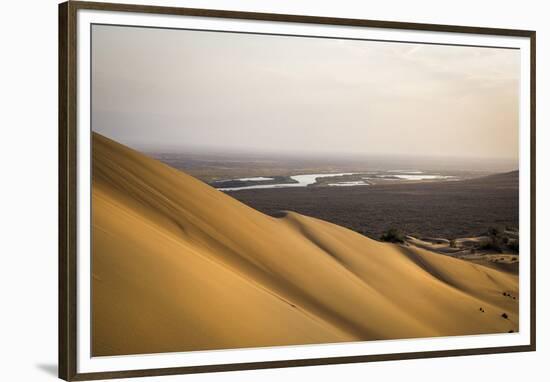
(183,90)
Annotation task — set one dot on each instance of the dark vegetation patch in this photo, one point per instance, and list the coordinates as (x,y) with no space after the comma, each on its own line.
(501,239)
(393,235)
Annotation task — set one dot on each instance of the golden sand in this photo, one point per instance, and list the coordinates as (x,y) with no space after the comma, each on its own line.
(180,266)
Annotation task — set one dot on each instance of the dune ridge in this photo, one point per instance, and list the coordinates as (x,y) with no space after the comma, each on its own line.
(180,266)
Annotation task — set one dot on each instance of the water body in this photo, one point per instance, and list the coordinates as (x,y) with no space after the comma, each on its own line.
(416,177)
(253,179)
(308,179)
(302,181)
(406,171)
(349,184)
(256,179)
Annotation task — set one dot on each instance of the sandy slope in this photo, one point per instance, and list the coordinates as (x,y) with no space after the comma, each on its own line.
(178,265)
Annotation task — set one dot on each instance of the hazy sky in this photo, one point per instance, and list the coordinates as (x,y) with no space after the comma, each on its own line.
(179,89)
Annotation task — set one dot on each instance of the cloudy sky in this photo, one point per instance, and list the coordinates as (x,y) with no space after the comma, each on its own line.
(158,88)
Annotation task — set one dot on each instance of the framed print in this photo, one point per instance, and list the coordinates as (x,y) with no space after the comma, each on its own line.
(244,190)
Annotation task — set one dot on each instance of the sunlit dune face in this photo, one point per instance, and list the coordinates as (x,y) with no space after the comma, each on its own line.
(180,266)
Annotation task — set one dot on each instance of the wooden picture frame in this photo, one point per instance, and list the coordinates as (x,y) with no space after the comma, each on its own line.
(68,187)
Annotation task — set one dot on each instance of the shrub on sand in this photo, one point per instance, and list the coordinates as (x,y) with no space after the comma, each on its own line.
(495,241)
(393,235)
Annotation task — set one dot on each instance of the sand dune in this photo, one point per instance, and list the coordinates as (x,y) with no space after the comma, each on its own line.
(180,266)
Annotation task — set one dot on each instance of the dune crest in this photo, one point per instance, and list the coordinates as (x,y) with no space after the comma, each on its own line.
(180,266)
